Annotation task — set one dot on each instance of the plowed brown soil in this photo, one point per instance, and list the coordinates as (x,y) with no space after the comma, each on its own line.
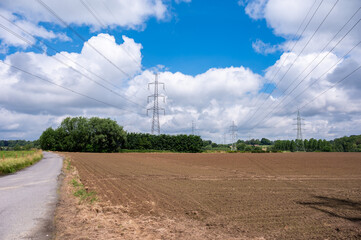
(276,196)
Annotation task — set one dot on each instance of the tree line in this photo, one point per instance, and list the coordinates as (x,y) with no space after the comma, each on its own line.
(176,143)
(344,144)
(18,145)
(95,134)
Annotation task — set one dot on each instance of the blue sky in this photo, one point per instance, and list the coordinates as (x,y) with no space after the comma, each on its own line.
(196,37)
(216,59)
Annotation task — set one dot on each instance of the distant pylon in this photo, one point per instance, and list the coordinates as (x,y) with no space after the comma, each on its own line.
(299,131)
(225,138)
(233,130)
(193,128)
(155,121)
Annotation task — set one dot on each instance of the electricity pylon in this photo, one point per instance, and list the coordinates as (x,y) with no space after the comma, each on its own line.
(233,130)
(193,128)
(299,132)
(155,121)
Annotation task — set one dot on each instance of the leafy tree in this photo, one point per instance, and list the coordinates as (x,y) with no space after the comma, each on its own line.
(265,141)
(47,140)
(84,135)
(292,146)
(241,146)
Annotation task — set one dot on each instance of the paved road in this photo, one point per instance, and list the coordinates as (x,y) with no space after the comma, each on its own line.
(28,199)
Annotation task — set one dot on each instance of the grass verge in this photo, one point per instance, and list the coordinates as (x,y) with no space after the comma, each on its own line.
(79,189)
(18,161)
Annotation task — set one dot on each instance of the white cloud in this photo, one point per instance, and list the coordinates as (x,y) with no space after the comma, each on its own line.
(124,13)
(213,99)
(29,15)
(9,39)
(255,8)
(205,97)
(299,72)
(264,48)
(180,1)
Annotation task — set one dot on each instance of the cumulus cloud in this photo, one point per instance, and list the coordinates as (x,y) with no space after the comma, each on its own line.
(264,48)
(7,31)
(310,65)
(213,99)
(30,15)
(125,13)
(180,1)
(205,97)
(254,8)
(25,94)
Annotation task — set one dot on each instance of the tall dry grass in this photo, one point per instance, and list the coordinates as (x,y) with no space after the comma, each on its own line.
(13,164)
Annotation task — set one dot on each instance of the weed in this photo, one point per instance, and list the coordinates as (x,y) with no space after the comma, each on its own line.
(68,166)
(82,193)
(75,183)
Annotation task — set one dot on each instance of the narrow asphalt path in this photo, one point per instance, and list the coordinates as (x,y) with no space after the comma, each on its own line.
(28,199)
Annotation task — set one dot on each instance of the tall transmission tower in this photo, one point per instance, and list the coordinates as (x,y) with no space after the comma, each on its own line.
(193,128)
(233,130)
(299,132)
(155,109)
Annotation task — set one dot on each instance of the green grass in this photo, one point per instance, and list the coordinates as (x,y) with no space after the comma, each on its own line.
(82,193)
(14,154)
(68,164)
(12,161)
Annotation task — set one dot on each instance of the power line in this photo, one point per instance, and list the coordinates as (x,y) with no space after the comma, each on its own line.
(294,45)
(92,13)
(334,85)
(319,61)
(79,36)
(55,50)
(67,65)
(323,74)
(66,88)
(303,106)
(304,47)
(76,33)
(296,42)
(304,78)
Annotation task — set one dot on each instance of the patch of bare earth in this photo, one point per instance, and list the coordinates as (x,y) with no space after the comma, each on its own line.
(75,219)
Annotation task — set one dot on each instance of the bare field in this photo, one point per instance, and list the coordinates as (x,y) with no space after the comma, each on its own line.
(277,196)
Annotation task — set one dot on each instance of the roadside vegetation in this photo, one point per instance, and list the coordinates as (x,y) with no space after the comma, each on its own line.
(79,190)
(12,161)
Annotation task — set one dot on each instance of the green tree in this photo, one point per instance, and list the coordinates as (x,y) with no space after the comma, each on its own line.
(265,141)
(48,140)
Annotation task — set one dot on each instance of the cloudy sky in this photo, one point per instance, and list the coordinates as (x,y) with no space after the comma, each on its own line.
(252,62)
